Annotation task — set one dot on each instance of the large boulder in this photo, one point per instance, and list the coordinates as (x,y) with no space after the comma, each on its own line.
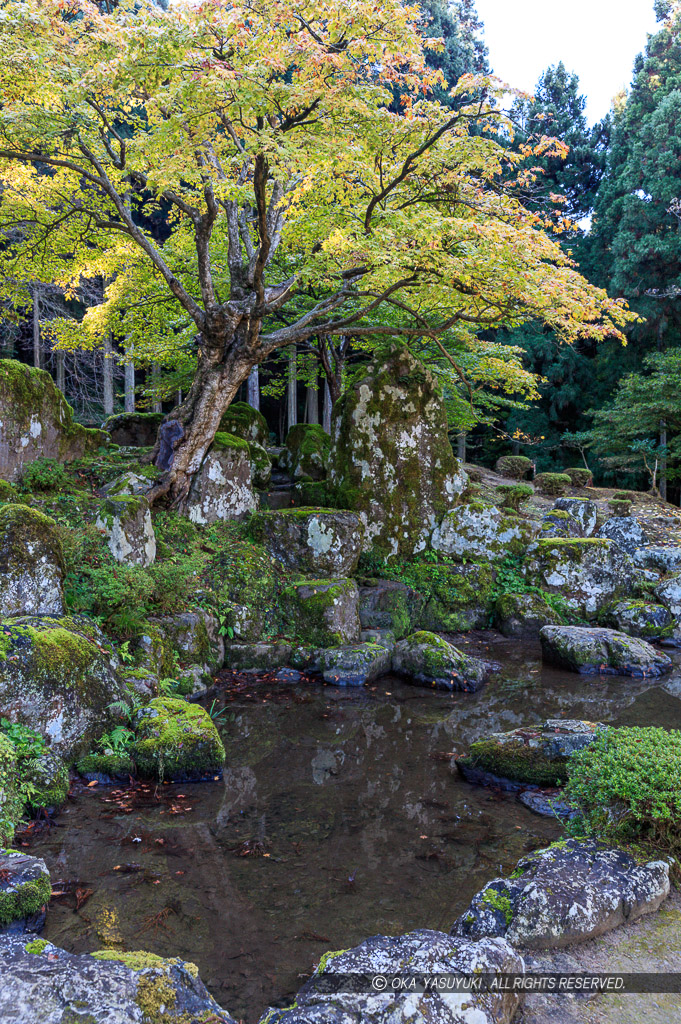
(59,676)
(31,563)
(176,740)
(10,801)
(625,531)
(195,637)
(389,604)
(479,530)
(564,894)
(589,573)
(583,511)
(356,664)
(523,615)
(323,613)
(643,619)
(25,891)
(243,421)
(36,421)
(391,460)
(261,465)
(125,520)
(319,542)
(222,488)
(42,984)
(594,651)
(134,429)
(658,558)
(321,1001)
(668,593)
(426,659)
(306,452)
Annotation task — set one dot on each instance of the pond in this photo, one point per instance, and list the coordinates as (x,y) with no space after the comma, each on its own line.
(339,817)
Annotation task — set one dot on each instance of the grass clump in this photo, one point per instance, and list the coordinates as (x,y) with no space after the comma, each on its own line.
(553,484)
(514,495)
(580,476)
(514,466)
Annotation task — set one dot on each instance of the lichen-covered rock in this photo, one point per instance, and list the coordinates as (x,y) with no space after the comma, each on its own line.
(176,740)
(25,891)
(261,465)
(257,657)
(660,559)
(49,777)
(594,651)
(59,676)
(125,520)
(461,598)
(195,637)
(558,523)
(625,531)
(668,593)
(323,613)
(31,563)
(479,530)
(243,421)
(588,573)
(306,452)
(36,421)
(391,460)
(425,659)
(243,583)
(564,894)
(222,488)
(418,953)
(642,619)
(523,615)
(356,664)
(583,511)
(131,483)
(10,802)
(134,429)
(536,756)
(42,984)
(388,604)
(322,542)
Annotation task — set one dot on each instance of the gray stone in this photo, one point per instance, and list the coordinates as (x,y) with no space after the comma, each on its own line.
(109,987)
(565,894)
(24,893)
(523,615)
(478,530)
(625,531)
(643,619)
(257,657)
(31,563)
(261,465)
(594,651)
(583,511)
(668,593)
(391,460)
(242,420)
(356,664)
(319,542)
(306,452)
(659,558)
(129,483)
(388,604)
(323,613)
(425,659)
(420,952)
(125,520)
(196,638)
(588,573)
(222,489)
(557,523)
(548,804)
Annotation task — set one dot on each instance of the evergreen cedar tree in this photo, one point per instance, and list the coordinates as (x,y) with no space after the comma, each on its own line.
(300,203)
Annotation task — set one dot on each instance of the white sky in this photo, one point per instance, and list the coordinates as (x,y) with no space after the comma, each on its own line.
(596,38)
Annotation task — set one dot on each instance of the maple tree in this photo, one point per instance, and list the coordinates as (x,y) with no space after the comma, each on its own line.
(298,204)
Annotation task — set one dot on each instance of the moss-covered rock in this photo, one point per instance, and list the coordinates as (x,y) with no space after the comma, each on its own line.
(515,467)
(261,465)
(58,676)
(242,583)
(25,891)
(389,604)
(222,489)
(322,613)
(132,482)
(583,511)
(134,429)
(426,659)
(461,597)
(642,618)
(356,664)
(245,422)
(106,768)
(10,802)
(306,452)
(49,777)
(589,573)
(125,520)
(9,494)
(523,615)
(319,542)
(391,459)
(557,523)
(601,651)
(31,563)
(257,657)
(176,740)
(479,530)
(36,421)
(313,494)
(552,483)
(195,637)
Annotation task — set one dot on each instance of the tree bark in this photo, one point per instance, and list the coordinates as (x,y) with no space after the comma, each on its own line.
(328,405)
(155,377)
(461,445)
(61,371)
(312,405)
(107,377)
(292,391)
(254,389)
(129,379)
(37,361)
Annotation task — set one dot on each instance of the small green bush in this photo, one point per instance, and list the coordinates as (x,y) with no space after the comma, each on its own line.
(624,496)
(515,494)
(554,484)
(44,475)
(580,476)
(626,788)
(8,493)
(514,466)
(619,507)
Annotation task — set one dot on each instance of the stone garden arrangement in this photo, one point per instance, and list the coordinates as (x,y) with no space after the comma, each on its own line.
(375,555)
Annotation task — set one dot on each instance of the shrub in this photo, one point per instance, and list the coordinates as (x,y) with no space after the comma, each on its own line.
(626,787)
(624,496)
(554,484)
(515,494)
(619,508)
(44,475)
(580,476)
(514,466)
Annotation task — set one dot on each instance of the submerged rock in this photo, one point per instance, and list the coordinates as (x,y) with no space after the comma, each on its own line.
(425,659)
(321,542)
(567,893)
(420,952)
(642,619)
(479,530)
(594,651)
(42,984)
(222,489)
(134,429)
(323,613)
(25,891)
(176,740)
(625,531)
(523,615)
(588,573)
(36,421)
(126,522)
(306,452)
(31,563)
(391,460)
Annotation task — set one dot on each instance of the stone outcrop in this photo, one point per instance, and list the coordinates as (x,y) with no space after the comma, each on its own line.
(25,891)
(594,651)
(583,511)
(643,619)
(323,613)
(478,530)
(134,429)
(31,563)
(125,520)
(36,421)
(565,894)
(42,984)
(319,542)
(419,953)
(425,659)
(222,489)
(388,604)
(391,460)
(523,615)
(305,454)
(588,573)
(625,531)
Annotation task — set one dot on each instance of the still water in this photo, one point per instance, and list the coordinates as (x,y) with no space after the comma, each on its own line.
(339,817)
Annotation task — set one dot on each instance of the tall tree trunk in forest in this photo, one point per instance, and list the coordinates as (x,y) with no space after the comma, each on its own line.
(155,378)
(327,407)
(461,446)
(663,460)
(108,377)
(37,361)
(254,389)
(61,370)
(312,405)
(292,389)
(129,405)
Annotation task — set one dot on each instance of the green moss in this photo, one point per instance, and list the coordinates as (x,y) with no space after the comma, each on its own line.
(24,901)
(307,451)
(113,765)
(326,957)
(498,901)
(224,442)
(22,527)
(10,801)
(245,422)
(307,606)
(516,761)
(552,483)
(176,740)
(8,494)
(313,494)
(514,466)
(37,946)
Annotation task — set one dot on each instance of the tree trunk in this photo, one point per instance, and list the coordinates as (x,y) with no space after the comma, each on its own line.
(37,361)
(461,446)
(107,377)
(663,461)
(328,406)
(292,391)
(312,405)
(129,379)
(61,371)
(155,378)
(253,387)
